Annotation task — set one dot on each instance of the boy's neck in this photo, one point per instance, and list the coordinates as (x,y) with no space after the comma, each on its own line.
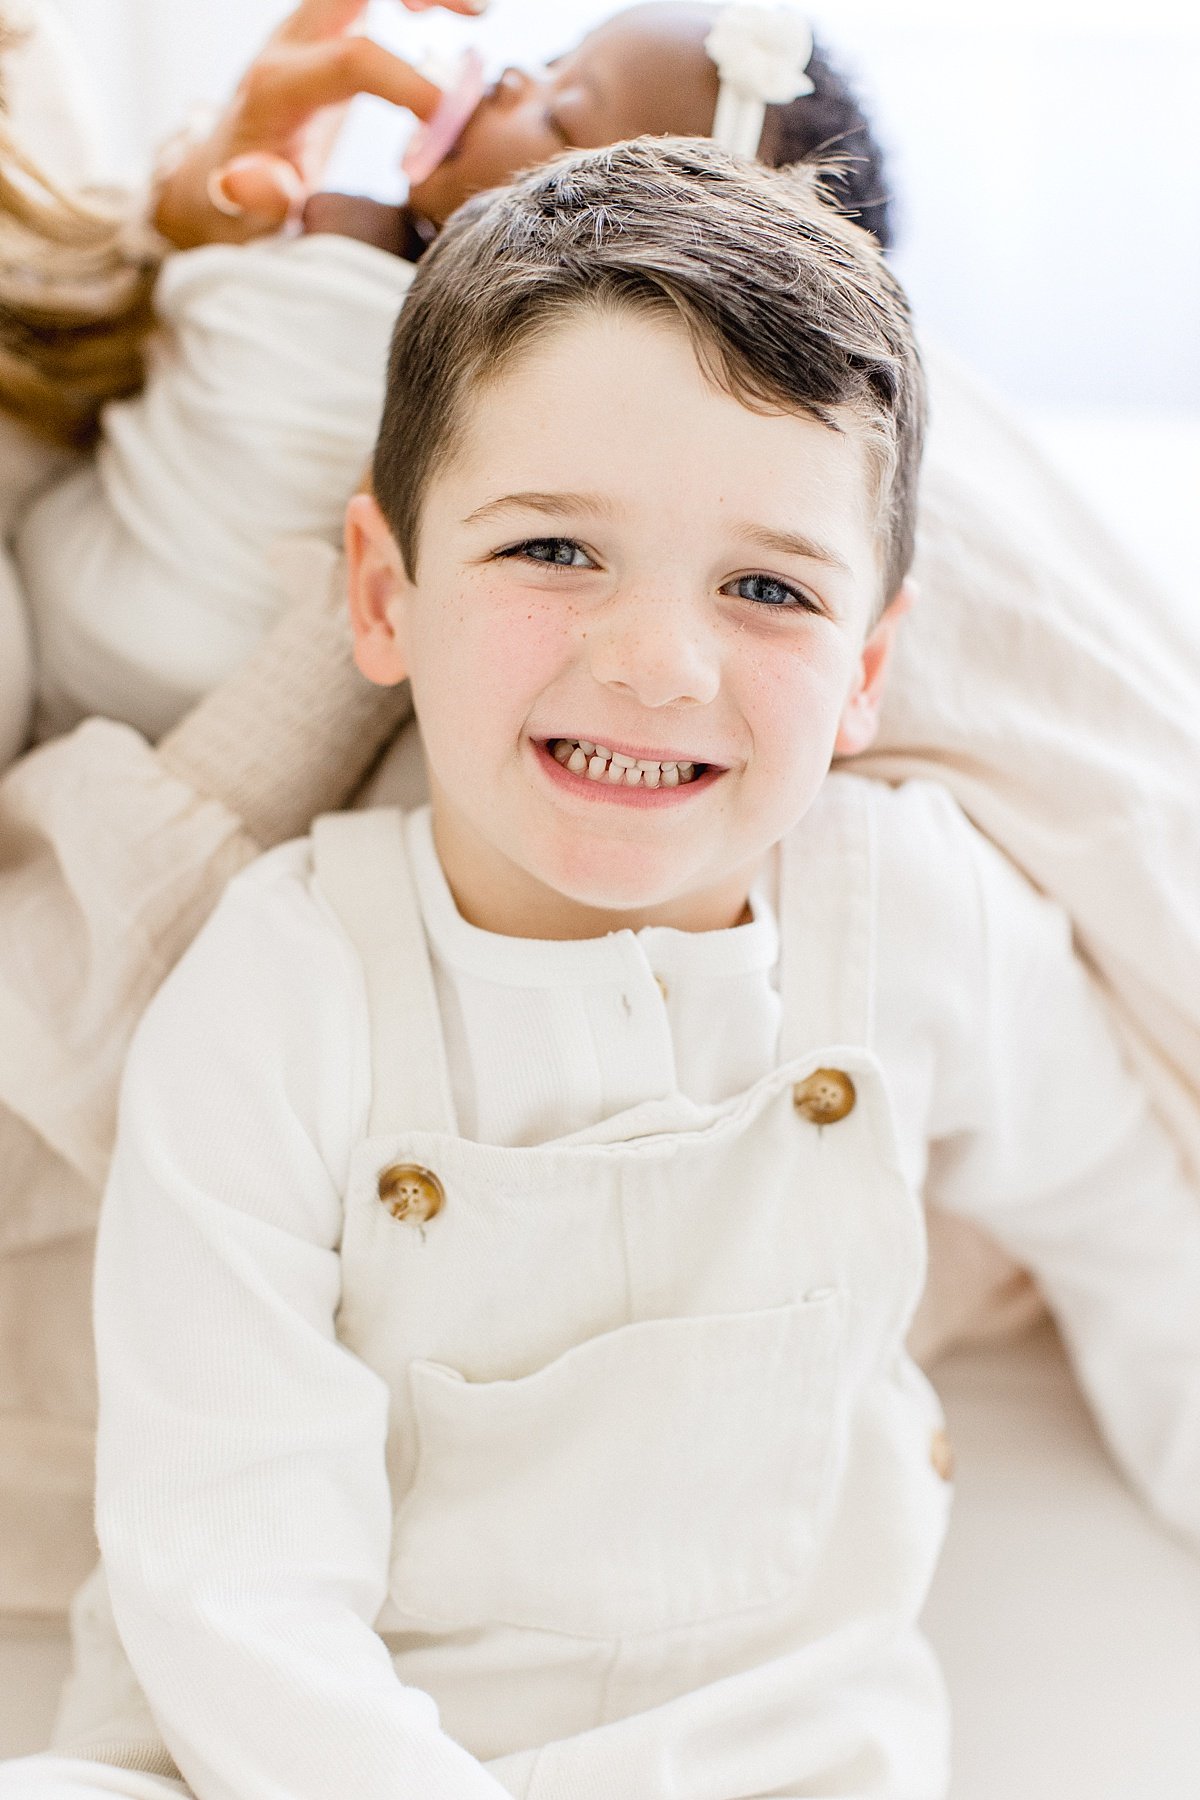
(500,897)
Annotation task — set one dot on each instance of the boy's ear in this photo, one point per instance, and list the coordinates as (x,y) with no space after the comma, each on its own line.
(860,715)
(377,586)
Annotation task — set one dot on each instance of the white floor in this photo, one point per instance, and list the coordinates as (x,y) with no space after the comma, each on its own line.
(1066,1620)
(1067,1623)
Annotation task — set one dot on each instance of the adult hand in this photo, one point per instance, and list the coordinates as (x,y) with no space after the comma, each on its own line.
(254,168)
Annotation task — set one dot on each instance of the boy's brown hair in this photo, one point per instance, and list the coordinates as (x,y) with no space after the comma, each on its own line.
(789,306)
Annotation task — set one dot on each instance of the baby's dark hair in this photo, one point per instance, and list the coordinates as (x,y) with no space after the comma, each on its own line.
(829,126)
(789,307)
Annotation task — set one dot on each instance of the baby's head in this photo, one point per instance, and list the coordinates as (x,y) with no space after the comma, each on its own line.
(645,71)
(644,506)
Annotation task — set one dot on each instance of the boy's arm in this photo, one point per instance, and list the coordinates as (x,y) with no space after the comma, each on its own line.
(243,1505)
(1060,1158)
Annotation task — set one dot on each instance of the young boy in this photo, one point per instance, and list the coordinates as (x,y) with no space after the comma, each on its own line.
(514,1228)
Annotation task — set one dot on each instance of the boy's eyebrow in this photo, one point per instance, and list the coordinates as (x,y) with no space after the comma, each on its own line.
(557,506)
(792,543)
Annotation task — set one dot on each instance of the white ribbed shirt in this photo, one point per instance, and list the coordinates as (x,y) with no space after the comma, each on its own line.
(243,1506)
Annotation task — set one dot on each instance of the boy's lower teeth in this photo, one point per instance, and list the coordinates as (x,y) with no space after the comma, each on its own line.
(599,764)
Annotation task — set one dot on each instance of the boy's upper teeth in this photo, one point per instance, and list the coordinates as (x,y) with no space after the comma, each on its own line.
(583,757)
(618,756)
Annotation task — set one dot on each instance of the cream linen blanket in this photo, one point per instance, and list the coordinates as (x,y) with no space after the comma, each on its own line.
(1041,678)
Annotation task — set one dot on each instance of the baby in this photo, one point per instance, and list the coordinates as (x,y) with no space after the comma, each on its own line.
(515,1222)
(649,70)
(150,575)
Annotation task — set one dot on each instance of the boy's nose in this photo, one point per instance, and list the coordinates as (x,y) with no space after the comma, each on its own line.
(656,650)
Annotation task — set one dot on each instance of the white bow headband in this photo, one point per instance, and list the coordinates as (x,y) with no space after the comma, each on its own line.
(761,53)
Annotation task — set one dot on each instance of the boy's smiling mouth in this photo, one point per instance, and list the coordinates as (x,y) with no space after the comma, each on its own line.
(623,772)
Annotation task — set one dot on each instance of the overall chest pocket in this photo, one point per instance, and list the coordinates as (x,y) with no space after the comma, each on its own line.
(661,1474)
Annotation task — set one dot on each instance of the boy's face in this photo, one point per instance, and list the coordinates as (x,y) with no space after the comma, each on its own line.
(643,71)
(622,556)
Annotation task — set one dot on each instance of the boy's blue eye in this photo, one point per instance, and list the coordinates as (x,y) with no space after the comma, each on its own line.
(767,590)
(561,553)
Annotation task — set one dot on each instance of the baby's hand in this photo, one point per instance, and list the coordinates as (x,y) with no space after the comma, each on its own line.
(253,170)
(354,216)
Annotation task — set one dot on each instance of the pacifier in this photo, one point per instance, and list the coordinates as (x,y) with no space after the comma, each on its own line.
(430,145)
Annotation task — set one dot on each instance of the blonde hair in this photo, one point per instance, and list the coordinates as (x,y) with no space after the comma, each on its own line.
(76,278)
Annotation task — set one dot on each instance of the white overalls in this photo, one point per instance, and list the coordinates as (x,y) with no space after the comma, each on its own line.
(669,1492)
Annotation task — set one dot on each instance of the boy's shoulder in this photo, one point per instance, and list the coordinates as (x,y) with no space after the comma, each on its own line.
(270,945)
(916,831)
(279,882)
(940,883)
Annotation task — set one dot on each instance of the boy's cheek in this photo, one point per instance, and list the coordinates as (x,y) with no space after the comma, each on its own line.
(489,651)
(524,637)
(793,731)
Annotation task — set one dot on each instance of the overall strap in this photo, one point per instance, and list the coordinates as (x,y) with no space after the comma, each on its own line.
(362,868)
(828,892)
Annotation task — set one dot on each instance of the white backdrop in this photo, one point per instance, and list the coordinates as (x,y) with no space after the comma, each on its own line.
(1045,153)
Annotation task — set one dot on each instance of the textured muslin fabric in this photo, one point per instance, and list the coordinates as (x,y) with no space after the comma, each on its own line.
(74,1778)
(111,855)
(1055,691)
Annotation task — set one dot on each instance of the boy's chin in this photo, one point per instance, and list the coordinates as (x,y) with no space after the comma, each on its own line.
(632,899)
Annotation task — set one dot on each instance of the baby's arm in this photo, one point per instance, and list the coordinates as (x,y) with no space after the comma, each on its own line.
(1060,1158)
(243,1504)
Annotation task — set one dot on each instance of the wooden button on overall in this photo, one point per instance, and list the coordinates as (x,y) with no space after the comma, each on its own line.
(411,1193)
(826,1096)
(941,1455)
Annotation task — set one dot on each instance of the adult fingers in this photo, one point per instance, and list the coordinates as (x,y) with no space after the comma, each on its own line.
(470,7)
(227,201)
(259,192)
(318,19)
(281,92)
